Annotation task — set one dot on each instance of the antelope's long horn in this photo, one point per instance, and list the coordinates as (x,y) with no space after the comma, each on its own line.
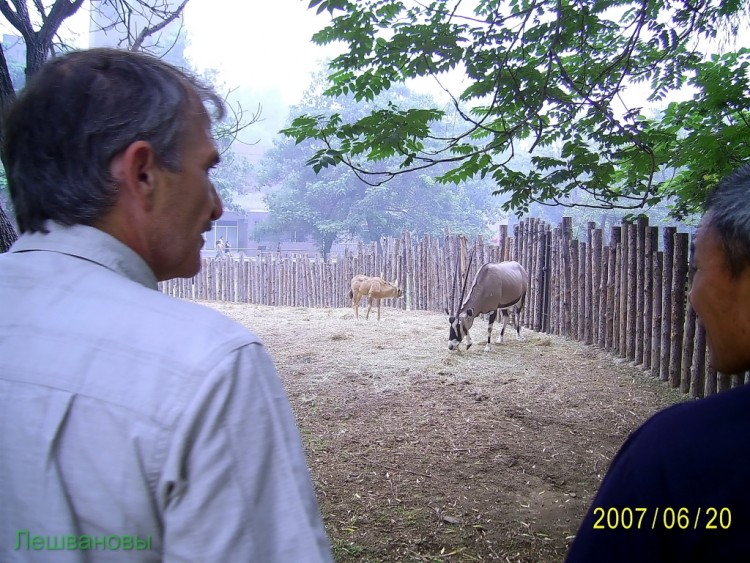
(453,291)
(466,279)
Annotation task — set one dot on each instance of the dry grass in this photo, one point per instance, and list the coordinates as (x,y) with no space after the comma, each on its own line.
(422,454)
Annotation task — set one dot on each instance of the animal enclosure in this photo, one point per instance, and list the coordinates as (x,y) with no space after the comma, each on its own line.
(618,292)
(419,454)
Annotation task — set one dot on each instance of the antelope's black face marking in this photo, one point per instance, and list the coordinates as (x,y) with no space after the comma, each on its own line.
(454,334)
(459,329)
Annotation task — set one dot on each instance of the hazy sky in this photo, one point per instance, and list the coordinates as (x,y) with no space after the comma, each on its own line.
(263,45)
(261,48)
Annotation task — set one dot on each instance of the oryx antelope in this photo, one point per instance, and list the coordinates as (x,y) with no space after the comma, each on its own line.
(373,288)
(496,286)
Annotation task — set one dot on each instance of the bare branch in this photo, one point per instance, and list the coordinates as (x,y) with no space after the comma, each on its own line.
(148,31)
(19,18)
(237,121)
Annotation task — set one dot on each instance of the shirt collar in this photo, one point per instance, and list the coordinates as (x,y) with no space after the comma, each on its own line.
(89,244)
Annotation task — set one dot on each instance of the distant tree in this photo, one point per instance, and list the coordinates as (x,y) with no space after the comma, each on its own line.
(538,73)
(231,175)
(333,203)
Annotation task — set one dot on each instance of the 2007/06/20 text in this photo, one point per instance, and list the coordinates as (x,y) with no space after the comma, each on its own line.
(667,518)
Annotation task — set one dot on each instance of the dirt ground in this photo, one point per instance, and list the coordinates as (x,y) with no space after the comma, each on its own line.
(423,454)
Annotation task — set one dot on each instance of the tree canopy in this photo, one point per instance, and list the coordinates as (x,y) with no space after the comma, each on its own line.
(333,203)
(540,74)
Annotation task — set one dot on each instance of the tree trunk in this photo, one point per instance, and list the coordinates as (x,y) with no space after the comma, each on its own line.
(327,244)
(7,233)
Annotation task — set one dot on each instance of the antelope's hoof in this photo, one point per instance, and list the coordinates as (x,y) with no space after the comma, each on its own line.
(487,348)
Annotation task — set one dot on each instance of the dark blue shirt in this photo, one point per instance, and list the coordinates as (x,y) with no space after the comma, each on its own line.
(678,489)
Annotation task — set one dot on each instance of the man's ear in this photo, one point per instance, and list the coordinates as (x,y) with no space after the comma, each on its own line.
(135,170)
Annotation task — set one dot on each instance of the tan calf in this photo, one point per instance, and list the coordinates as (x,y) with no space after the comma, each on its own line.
(373,288)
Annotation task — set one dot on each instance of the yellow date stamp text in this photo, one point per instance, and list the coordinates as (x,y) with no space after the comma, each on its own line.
(656,518)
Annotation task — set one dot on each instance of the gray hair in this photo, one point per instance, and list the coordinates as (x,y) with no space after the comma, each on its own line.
(728,211)
(80,111)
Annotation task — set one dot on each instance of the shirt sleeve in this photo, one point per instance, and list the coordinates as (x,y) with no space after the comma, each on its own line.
(235,485)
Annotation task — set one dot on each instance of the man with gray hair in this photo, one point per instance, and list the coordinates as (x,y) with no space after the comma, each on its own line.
(133,426)
(677,489)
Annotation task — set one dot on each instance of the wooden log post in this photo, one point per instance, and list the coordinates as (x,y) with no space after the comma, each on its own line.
(598,273)
(555,298)
(548,307)
(562,289)
(502,240)
(651,246)
(610,303)
(633,313)
(582,305)
(527,261)
(423,272)
(541,301)
(711,379)
(409,293)
(616,245)
(641,226)
(574,289)
(588,284)
(566,251)
(666,302)
(698,363)
(723,382)
(624,290)
(656,312)
(688,343)
(679,283)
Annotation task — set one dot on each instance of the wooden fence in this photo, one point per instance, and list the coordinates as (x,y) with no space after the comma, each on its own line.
(622,292)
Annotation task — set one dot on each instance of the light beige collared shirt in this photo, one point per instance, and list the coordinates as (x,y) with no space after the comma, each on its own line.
(125,413)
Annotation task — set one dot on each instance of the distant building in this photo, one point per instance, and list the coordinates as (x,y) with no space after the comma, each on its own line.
(242,230)
(232,227)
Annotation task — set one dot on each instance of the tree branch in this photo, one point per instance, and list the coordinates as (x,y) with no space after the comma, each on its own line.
(148,31)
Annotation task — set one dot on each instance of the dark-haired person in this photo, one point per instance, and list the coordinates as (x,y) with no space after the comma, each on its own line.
(133,426)
(678,488)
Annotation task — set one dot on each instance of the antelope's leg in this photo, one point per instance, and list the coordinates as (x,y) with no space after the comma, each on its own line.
(379,308)
(493,316)
(518,324)
(369,307)
(506,316)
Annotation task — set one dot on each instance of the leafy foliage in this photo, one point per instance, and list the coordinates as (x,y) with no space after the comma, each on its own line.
(540,73)
(330,203)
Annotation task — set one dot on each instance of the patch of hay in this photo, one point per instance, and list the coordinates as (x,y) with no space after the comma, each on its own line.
(507,447)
